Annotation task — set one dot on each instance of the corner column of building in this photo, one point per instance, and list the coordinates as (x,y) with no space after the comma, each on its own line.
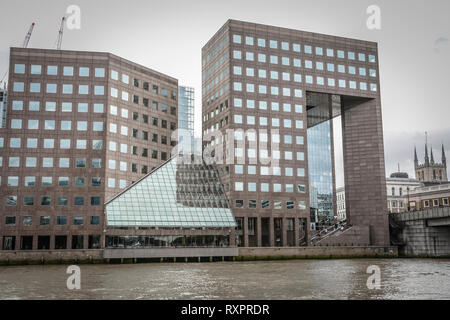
(245,229)
(297,231)
(35,242)
(271,233)
(364,168)
(258,228)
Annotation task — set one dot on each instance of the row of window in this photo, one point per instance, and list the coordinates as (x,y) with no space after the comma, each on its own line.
(277,204)
(31,181)
(46,220)
(66,125)
(145,85)
(263,121)
(264,187)
(266,171)
(297,77)
(297,93)
(263,137)
(47,200)
(308,49)
(295,62)
(33,124)
(52,70)
(264,154)
(435,202)
(262,89)
(60,242)
(83,107)
(32,143)
(35,87)
(48,162)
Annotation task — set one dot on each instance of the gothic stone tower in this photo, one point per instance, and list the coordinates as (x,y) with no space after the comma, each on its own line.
(430,172)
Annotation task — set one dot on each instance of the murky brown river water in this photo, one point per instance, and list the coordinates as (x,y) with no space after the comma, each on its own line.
(295,279)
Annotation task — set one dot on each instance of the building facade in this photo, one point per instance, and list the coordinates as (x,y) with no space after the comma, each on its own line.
(427,197)
(264,89)
(340,204)
(81,127)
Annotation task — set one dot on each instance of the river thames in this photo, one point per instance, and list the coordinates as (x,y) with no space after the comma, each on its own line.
(292,279)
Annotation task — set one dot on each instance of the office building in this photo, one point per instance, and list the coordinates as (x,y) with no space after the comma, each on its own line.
(268,97)
(81,127)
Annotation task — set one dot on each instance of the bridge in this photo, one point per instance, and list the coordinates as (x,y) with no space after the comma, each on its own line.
(421,233)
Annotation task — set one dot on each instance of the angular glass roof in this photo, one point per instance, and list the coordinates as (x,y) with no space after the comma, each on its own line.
(175,194)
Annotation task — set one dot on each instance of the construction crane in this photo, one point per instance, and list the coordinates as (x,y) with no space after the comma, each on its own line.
(28,36)
(60,34)
(24,45)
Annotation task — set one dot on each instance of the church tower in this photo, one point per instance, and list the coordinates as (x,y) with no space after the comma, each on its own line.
(431,172)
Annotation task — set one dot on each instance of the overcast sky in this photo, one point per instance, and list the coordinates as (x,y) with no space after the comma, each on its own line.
(414,48)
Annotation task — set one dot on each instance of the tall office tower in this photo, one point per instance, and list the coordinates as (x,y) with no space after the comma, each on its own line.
(186,119)
(271,93)
(81,127)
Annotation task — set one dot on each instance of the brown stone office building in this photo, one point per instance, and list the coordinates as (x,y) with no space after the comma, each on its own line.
(281,87)
(80,128)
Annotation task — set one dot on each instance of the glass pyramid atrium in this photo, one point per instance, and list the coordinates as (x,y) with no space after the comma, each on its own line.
(176,194)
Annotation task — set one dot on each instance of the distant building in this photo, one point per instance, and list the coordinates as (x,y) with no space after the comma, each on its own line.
(398,186)
(340,204)
(430,172)
(427,197)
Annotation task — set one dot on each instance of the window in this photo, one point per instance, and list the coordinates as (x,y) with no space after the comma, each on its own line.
(10,220)
(14,143)
(62,201)
(32,143)
(30,181)
(99,90)
(99,72)
(78,220)
(84,72)
(50,106)
(47,181)
(18,87)
(81,125)
(46,201)
(36,69)
(64,162)
(83,89)
(52,70)
(66,107)
(61,220)
(47,162)
(35,87)
(80,162)
(63,181)
(49,124)
(17,105)
(261,42)
(67,71)
(19,68)
(16,124)
(49,143)
(67,88)
(97,126)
